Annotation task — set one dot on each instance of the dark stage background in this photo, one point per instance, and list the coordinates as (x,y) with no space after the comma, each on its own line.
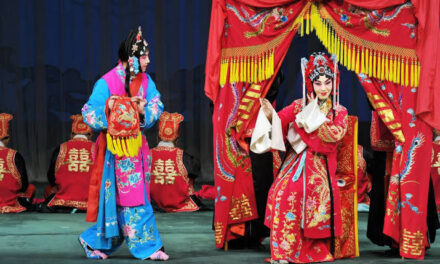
(52,52)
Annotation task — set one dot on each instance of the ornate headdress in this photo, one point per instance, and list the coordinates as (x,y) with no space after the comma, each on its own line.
(4,125)
(78,125)
(317,65)
(169,126)
(138,47)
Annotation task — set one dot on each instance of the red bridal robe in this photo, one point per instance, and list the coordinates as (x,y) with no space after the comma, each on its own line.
(301,205)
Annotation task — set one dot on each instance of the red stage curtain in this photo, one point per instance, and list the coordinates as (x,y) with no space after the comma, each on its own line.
(407,198)
(247,44)
(246,55)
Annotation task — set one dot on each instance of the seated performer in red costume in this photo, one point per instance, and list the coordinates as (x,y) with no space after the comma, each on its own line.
(172,175)
(15,192)
(303,207)
(69,171)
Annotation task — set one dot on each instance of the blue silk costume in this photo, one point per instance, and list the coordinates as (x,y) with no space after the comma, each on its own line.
(115,223)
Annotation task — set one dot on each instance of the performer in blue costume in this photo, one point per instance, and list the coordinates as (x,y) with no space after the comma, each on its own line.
(119,199)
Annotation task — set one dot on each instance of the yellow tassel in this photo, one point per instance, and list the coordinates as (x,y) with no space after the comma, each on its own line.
(379,66)
(248,70)
(363,61)
(235,70)
(256,70)
(309,22)
(396,69)
(133,147)
(353,58)
(117,147)
(346,54)
(388,68)
(412,73)
(245,72)
(332,41)
(307,25)
(338,49)
(370,59)
(243,69)
(121,151)
(374,64)
(302,28)
(124,148)
(327,36)
(128,142)
(251,68)
(357,60)
(271,62)
(398,62)
(391,69)
(406,72)
(382,64)
(417,74)
(267,57)
(232,72)
(109,143)
(263,67)
(402,72)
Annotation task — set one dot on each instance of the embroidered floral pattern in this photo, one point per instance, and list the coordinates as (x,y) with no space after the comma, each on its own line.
(134,230)
(93,116)
(108,183)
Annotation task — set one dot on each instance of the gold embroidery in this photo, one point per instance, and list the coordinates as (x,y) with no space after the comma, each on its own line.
(218,229)
(412,243)
(10,157)
(61,156)
(164,171)
(3,169)
(78,160)
(318,211)
(16,208)
(376,141)
(68,203)
(240,208)
(331,133)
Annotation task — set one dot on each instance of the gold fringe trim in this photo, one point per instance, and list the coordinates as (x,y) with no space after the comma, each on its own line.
(254,64)
(385,62)
(124,147)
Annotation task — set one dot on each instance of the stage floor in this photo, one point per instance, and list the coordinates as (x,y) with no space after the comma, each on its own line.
(188,238)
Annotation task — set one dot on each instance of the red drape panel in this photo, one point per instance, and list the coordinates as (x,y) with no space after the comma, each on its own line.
(405,217)
(428,43)
(248,52)
(212,67)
